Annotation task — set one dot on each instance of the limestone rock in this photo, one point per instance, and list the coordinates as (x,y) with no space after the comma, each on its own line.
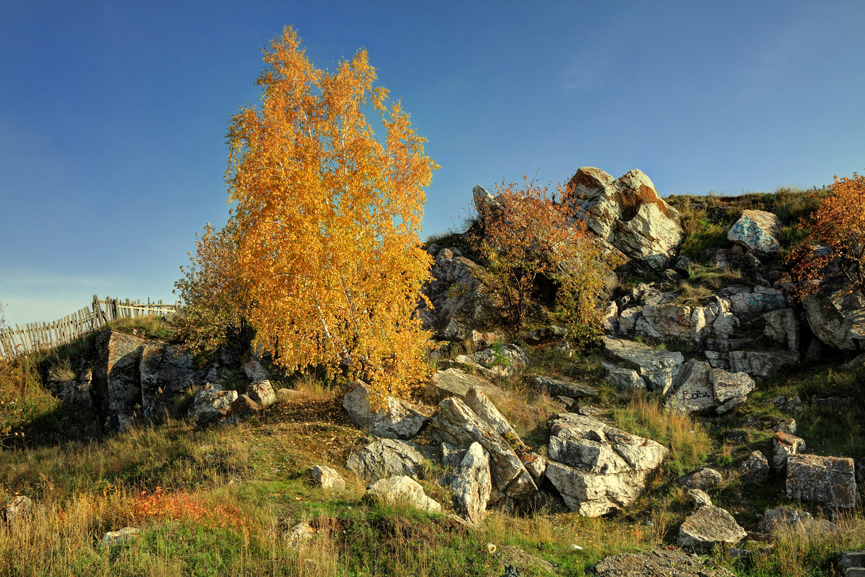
(598,468)
(385,458)
(478,402)
(116,375)
(757,230)
(628,212)
(17,508)
(455,296)
(754,302)
(484,201)
(211,403)
(471,484)
(518,562)
(786,519)
(693,390)
(703,478)
(326,478)
(262,393)
(657,367)
(699,497)
(674,323)
(830,480)
(117,537)
(165,373)
(755,469)
(398,419)
(504,362)
(762,363)
(784,445)
(563,387)
(401,489)
(782,326)
(547,333)
(661,562)
(254,371)
(299,533)
(456,383)
(850,561)
(457,425)
(243,405)
(709,525)
(623,378)
(838,319)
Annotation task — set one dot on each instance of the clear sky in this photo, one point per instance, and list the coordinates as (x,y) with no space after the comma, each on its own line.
(113,115)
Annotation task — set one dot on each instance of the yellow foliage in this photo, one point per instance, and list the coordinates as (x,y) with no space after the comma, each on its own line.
(327,220)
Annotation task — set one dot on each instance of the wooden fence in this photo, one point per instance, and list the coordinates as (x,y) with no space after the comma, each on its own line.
(34,337)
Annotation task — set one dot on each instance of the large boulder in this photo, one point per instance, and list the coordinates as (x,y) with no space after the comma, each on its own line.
(471,484)
(326,478)
(708,526)
(597,468)
(116,376)
(628,212)
(830,480)
(758,231)
(754,469)
(456,298)
(210,404)
(838,319)
(456,383)
(565,388)
(456,424)
(657,367)
(397,419)
(762,363)
(403,490)
(785,519)
(385,458)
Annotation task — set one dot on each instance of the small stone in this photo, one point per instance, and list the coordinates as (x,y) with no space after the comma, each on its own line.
(298,534)
(326,478)
(755,469)
(703,478)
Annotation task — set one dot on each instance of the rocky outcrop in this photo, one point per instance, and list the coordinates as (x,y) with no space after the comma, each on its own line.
(457,425)
(504,361)
(597,468)
(708,526)
(455,295)
(628,212)
(471,484)
(456,383)
(262,393)
(838,318)
(698,387)
(117,378)
(565,388)
(326,478)
(758,231)
(165,373)
(787,520)
(830,480)
(398,419)
(762,363)
(385,458)
(658,368)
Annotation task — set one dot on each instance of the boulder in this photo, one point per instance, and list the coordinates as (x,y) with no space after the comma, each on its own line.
(598,468)
(548,333)
(484,340)
(165,373)
(326,478)
(837,318)
(483,201)
(298,534)
(117,537)
(782,326)
(116,375)
(672,323)
(243,405)
(17,508)
(254,371)
(565,388)
(623,378)
(398,419)
(850,561)
(784,445)
(478,402)
(504,361)
(211,403)
(747,302)
(703,478)
(657,367)
(754,469)
(471,484)
(699,497)
(455,297)
(628,212)
(457,425)
(385,458)
(456,383)
(708,526)
(699,387)
(262,393)
(785,519)
(661,562)
(403,490)
(830,480)
(757,230)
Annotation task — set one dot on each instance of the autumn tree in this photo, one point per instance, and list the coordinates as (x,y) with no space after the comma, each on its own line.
(327,219)
(525,235)
(835,241)
(212,290)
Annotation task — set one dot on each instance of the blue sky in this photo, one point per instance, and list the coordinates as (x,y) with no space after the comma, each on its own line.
(113,115)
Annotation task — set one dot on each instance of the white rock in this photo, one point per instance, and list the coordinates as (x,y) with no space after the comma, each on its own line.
(401,489)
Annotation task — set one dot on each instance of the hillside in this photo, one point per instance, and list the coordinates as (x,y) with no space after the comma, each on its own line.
(716,429)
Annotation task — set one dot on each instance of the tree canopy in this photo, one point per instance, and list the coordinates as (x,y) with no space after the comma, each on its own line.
(327,219)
